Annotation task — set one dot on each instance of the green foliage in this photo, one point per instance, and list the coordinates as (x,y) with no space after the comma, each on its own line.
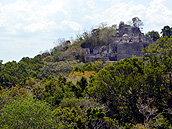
(63,52)
(166,31)
(159,54)
(13,73)
(75,89)
(44,55)
(118,86)
(153,34)
(57,68)
(8,94)
(72,53)
(53,93)
(160,122)
(68,118)
(82,83)
(159,61)
(77,69)
(96,118)
(56,56)
(90,66)
(97,37)
(61,80)
(94,113)
(26,113)
(38,92)
(71,103)
(48,59)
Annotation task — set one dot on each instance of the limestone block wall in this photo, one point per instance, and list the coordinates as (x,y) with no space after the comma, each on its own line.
(128,42)
(127,50)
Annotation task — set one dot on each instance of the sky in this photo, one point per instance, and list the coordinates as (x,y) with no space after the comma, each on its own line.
(29,27)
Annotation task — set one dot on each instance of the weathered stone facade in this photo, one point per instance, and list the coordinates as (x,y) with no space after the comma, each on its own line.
(128,42)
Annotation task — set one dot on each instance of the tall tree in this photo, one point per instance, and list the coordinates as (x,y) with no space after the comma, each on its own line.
(153,34)
(137,22)
(166,31)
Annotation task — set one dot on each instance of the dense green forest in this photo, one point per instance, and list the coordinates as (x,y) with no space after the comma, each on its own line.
(57,89)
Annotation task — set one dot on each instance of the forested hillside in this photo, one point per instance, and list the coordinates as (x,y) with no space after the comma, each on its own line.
(56,89)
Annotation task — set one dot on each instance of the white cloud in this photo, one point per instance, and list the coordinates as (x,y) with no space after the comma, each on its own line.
(91,4)
(40,26)
(32,16)
(152,14)
(73,25)
(118,12)
(24,47)
(157,13)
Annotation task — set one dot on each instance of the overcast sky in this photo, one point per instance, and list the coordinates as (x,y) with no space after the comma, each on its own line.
(30,26)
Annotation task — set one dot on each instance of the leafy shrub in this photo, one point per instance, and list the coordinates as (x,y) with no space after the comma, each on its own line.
(26,113)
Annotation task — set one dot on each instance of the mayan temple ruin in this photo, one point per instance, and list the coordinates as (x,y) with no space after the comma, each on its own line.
(128,42)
